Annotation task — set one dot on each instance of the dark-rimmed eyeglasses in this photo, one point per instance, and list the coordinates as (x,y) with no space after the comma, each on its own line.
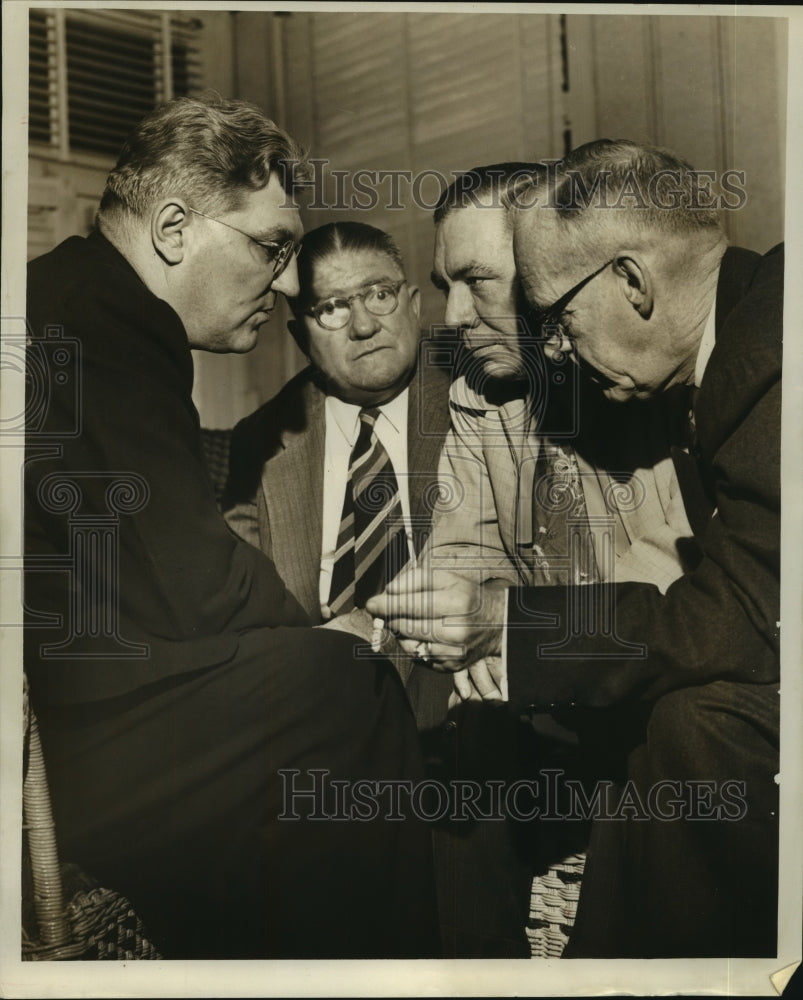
(552,315)
(277,254)
(380,299)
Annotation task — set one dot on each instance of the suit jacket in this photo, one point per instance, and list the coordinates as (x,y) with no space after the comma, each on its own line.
(274,497)
(720,620)
(115,467)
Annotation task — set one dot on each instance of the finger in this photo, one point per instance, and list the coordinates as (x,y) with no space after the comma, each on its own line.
(484,682)
(408,603)
(435,650)
(462,685)
(498,672)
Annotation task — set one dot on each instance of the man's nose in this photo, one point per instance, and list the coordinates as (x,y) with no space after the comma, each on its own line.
(460,309)
(287,281)
(363,323)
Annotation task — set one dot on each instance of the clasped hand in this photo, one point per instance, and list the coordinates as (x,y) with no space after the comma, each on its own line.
(458,617)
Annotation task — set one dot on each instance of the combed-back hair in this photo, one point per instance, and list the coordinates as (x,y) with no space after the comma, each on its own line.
(648,185)
(333,238)
(208,150)
(501,182)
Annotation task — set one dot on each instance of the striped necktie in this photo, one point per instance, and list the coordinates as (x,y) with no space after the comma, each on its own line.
(372,542)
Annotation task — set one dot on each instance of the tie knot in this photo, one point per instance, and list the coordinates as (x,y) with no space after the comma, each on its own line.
(370,416)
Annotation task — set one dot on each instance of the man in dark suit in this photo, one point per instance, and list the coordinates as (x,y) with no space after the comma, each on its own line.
(185,707)
(289,460)
(629,270)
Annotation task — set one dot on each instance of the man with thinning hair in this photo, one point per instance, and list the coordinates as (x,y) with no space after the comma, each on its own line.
(629,270)
(185,707)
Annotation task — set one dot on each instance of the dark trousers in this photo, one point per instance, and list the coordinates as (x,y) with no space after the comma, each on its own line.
(174,796)
(703,884)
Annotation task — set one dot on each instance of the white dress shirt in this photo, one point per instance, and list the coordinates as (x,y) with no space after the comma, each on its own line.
(342,431)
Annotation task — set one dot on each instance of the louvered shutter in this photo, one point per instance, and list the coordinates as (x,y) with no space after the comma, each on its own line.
(93,75)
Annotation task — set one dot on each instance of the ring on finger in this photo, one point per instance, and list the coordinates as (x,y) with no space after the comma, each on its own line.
(423,652)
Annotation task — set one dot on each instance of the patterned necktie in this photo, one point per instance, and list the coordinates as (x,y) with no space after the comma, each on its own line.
(372,542)
(563,546)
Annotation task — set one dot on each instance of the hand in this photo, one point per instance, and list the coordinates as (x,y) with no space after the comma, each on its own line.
(460,618)
(485,680)
(359,623)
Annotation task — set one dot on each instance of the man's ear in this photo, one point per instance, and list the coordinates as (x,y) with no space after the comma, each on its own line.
(415,299)
(299,334)
(169,220)
(637,282)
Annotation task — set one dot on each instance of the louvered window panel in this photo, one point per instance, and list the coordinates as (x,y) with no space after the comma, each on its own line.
(116,68)
(41,59)
(103,105)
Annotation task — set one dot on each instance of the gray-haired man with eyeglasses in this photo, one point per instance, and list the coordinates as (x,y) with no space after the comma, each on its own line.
(185,707)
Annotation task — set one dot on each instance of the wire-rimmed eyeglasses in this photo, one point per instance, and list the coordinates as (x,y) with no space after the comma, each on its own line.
(380,299)
(278,254)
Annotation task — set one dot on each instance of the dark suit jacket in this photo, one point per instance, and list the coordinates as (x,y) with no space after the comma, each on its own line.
(274,498)
(719,621)
(110,403)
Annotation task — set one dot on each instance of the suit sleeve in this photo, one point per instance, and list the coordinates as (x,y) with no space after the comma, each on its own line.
(185,584)
(618,642)
(239,503)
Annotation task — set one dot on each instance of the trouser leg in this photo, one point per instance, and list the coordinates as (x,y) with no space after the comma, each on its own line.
(698,875)
(175,796)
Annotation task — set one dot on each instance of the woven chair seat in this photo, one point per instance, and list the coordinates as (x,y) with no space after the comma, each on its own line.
(96,923)
(553,906)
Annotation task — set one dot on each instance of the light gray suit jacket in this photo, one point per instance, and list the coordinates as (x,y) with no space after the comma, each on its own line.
(274,495)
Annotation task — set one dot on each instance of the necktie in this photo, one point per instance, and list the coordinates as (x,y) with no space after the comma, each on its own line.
(691,442)
(372,543)
(563,548)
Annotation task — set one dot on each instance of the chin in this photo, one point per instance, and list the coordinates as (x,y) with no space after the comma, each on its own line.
(243,341)
(506,371)
(619,394)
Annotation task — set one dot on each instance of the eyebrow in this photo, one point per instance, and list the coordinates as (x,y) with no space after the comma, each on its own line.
(471,269)
(340,294)
(276,234)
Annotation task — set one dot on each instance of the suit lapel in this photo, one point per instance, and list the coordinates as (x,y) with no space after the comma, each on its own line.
(292,485)
(693,470)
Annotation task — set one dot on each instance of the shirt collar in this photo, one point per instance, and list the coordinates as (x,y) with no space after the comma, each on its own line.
(706,345)
(347,415)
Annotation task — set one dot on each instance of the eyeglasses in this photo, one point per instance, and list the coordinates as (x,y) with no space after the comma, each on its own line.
(380,299)
(278,254)
(551,315)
